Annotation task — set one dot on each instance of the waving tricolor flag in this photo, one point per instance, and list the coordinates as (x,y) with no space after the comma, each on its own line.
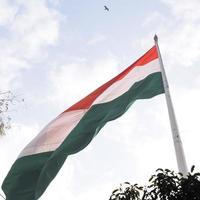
(74,129)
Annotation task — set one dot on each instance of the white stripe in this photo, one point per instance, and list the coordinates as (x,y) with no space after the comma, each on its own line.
(56,131)
(120,87)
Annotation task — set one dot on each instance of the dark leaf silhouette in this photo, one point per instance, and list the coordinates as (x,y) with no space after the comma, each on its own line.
(192,168)
(163,185)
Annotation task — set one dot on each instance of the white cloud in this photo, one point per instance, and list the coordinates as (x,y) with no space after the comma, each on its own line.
(10,67)
(178,32)
(7,12)
(35,25)
(184,10)
(77,78)
(32,27)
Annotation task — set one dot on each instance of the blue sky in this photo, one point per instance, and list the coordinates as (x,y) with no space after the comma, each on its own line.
(54,52)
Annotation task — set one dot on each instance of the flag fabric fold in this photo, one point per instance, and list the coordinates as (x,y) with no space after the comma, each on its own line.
(73,130)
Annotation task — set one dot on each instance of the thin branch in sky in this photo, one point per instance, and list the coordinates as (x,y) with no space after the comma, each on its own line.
(2,196)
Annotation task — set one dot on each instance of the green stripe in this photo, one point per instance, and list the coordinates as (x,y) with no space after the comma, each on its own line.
(43,167)
(22,178)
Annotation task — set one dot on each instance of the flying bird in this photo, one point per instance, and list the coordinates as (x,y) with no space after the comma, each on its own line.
(106,8)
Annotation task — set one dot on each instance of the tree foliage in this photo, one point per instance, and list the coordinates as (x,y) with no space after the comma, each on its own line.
(7,99)
(163,185)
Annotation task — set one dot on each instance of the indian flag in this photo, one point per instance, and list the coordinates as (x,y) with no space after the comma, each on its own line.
(73,129)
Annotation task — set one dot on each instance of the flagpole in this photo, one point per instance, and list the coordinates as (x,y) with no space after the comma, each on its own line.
(180,157)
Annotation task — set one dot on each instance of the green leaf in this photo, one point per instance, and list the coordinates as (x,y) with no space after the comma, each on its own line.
(151,178)
(197,174)
(180,174)
(167,170)
(159,169)
(192,168)
(116,190)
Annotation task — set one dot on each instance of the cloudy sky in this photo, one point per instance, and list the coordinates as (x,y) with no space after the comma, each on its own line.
(54,52)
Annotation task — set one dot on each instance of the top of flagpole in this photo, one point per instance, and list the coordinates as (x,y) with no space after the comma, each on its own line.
(155,38)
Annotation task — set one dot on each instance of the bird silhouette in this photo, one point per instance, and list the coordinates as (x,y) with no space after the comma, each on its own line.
(106,8)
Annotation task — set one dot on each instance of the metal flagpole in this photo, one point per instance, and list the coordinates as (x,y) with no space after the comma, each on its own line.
(180,157)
